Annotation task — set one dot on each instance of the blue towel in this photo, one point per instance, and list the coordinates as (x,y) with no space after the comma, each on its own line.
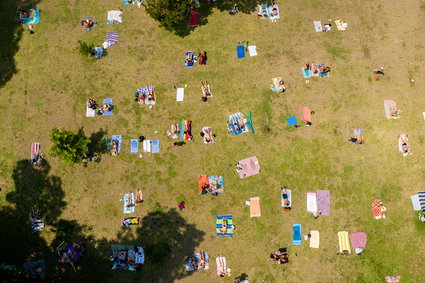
(187,64)
(155,146)
(134,146)
(35,19)
(296,235)
(306,73)
(117,138)
(126,3)
(218,226)
(108,101)
(240,50)
(292,121)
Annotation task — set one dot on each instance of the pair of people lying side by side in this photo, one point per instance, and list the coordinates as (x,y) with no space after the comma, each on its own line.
(281,256)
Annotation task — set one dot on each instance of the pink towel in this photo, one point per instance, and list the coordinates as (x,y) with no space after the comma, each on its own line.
(323,202)
(221,266)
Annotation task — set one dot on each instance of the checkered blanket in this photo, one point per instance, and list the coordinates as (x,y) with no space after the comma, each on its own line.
(392,279)
(376,210)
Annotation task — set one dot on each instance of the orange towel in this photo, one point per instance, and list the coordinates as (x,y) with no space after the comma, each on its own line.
(254,208)
(202,179)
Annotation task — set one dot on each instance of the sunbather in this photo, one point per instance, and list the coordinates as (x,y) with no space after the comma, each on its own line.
(205,87)
(274,10)
(393,112)
(107,107)
(242,124)
(189,59)
(223,229)
(359,139)
(214,187)
(263,14)
(114,150)
(285,197)
(203,261)
(139,196)
(325,70)
(307,66)
(174,129)
(207,136)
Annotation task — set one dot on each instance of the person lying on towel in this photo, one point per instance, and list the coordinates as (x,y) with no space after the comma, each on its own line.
(285,197)
(130,221)
(189,59)
(203,261)
(207,136)
(325,70)
(213,189)
(139,196)
(114,150)
(205,87)
(263,14)
(307,66)
(274,10)
(202,58)
(194,263)
(223,229)
(151,96)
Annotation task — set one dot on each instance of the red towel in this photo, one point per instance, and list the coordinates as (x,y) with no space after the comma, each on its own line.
(194,19)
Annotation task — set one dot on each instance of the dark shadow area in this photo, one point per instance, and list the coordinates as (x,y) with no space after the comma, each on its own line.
(98,143)
(206,9)
(11,33)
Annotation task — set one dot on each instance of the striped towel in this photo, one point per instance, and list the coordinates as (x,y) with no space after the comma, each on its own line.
(219,225)
(422,200)
(111,39)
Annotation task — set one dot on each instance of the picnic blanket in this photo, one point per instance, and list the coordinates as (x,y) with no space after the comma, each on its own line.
(186,130)
(318,26)
(415,202)
(114,17)
(129,205)
(118,139)
(312,202)
(254,207)
(146,146)
(422,200)
(403,138)
(234,125)
(109,102)
(296,234)
(250,166)
(130,221)
(344,243)
(219,225)
(134,146)
(252,49)
(376,210)
(197,257)
(206,130)
(111,39)
(306,113)
(392,279)
(341,25)
(292,121)
(389,106)
(208,181)
(358,240)
(289,197)
(315,239)
(123,254)
(194,19)
(155,146)
(180,94)
(240,51)
(89,111)
(323,202)
(30,269)
(221,266)
(188,63)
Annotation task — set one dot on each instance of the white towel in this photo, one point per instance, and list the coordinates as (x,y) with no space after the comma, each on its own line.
(415,202)
(180,94)
(318,26)
(147,146)
(315,239)
(311,202)
(89,112)
(252,49)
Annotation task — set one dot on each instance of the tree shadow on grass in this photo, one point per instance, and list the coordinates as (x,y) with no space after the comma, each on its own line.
(98,142)
(206,9)
(11,34)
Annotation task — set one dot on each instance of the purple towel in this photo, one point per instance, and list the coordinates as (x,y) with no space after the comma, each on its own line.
(323,202)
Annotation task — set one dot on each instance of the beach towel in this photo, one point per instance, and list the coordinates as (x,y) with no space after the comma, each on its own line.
(392,279)
(318,26)
(221,266)
(415,202)
(376,210)
(126,3)
(292,121)
(194,19)
(278,85)
(422,200)
(254,208)
(118,139)
(109,102)
(147,146)
(389,106)
(311,202)
(89,112)
(130,221)
(186,130)
(129,203)
(187,62)
(286,193)
(250,123)
(134,146)
(114,17)
(323,202)
(306,114)
(180,94)
(358,241)
(240,51)
(274,11)
(403,138)
(252,49)
(234,125)
(344,243)
(296,234)
(216,180)
(155,146)
(174,133)
(33,19)
(263,11)
(208,130)
(35,152)
(197,257)
(306,72)
(249,167)
(30,269)
(203,180)
(111,39)
(315,239)
(341,25)
(219,225)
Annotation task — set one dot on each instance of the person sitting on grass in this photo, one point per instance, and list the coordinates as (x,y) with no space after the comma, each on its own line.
(378,71)
(223,229)
(87,24)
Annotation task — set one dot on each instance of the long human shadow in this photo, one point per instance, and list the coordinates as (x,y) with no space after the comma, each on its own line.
(34,187)
(11,34)
(206,9)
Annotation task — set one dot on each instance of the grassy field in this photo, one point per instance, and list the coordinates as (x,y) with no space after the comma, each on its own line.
(48,83)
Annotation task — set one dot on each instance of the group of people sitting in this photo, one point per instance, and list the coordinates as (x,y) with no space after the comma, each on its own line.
(319,69)
(211,188)
(263,12)
(70,253)
(203,262)
(281,256)
(206,92)
(145,95)
(93,105)
(128,259)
